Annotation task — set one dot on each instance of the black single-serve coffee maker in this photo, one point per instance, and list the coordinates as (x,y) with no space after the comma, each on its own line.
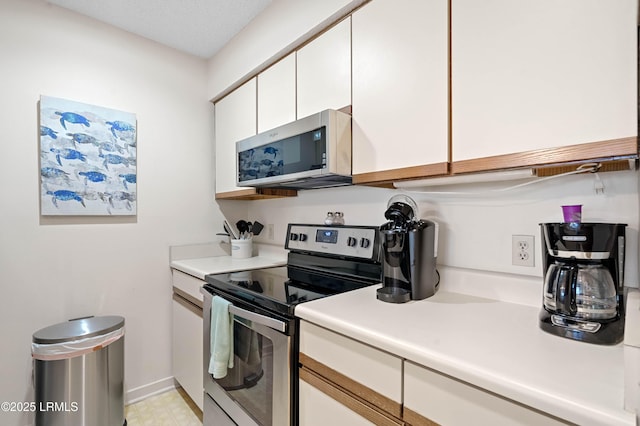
(409,253)
(583,284)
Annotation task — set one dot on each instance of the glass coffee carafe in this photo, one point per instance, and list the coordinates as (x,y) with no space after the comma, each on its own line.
(584,291)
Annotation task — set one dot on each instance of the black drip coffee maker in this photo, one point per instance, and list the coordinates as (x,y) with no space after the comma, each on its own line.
(583,285)
(409,252)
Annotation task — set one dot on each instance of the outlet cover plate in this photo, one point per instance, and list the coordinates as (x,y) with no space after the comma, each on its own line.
(522,250)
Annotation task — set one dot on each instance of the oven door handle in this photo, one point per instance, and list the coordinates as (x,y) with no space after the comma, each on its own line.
(258,319)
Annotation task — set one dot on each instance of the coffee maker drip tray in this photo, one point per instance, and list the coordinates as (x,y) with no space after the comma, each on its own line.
(600,332)
(572,324)
(393,294)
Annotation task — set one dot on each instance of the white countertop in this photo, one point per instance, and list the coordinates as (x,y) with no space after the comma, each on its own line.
(495,345)
(199,260)
(199,267)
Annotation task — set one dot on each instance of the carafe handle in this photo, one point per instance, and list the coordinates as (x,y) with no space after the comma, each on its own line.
(566,292)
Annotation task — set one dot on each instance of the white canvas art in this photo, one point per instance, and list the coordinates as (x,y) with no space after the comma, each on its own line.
(87,159)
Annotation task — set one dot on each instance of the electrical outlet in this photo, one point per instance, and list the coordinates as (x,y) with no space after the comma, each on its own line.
(270,235)
(522,250)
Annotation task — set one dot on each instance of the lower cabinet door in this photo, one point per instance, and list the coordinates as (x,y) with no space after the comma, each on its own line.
(187,348)
(323,403)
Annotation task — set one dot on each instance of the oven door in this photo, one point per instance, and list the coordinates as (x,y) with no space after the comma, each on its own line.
(259,389)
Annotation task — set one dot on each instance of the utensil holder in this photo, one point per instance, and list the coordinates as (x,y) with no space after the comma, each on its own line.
(242,249)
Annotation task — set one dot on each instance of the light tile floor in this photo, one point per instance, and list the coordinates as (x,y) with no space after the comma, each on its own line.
(172,408)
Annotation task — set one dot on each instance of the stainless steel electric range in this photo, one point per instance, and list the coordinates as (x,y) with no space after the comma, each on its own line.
(262,387)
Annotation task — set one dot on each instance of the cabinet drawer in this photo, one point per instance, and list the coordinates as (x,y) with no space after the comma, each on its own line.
(363,364)
(439,398)
(188,284)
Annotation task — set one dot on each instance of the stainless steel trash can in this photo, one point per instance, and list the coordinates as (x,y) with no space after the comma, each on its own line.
(79,372)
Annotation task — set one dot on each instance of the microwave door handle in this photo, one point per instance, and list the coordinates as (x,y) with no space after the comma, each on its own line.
(259,319)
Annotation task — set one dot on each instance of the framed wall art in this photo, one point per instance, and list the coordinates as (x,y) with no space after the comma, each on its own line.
(87,159)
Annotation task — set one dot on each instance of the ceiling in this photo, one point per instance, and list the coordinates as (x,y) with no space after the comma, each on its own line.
(197,27)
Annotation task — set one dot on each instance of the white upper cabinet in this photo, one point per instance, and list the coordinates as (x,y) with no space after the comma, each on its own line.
(277,94)
(324,71)
(400,85)
(531,75)
(235,119)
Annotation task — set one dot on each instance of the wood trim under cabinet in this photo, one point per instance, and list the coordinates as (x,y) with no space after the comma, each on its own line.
(256,194)
(414,419)
(360,407)
(186,300)
(359,390)
(603,150)
(405,173)
(608,166)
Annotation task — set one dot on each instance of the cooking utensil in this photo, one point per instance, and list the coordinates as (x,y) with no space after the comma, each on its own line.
(243,229)
(242,226)
(229,230)
(257,228)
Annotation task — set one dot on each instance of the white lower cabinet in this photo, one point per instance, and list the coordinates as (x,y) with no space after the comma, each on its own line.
(319,409)
(433,397)
(345,382)
(187,349)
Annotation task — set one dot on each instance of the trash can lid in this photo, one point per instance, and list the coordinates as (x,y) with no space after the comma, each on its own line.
(77,329)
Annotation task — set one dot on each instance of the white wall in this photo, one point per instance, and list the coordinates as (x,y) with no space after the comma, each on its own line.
(53,269)
(476,224)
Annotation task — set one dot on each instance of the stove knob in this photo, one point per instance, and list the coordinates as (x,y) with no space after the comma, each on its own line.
(351,242)
(293,237)
(303,237)
(364,242)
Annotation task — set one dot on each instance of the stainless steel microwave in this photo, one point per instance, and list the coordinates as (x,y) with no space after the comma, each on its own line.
(312,152)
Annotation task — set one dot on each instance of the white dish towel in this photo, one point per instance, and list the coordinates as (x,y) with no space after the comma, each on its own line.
(221,338)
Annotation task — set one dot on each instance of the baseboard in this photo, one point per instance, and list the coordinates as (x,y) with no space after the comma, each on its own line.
(145,391)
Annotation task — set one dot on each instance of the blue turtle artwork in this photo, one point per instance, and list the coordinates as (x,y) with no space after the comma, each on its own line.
(128,178)
(72,117)
(45,131)
(67,154)
(120,127)
(64,195)
(93,177)
(86,151)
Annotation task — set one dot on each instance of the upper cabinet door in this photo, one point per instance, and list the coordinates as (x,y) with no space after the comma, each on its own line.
(324,71)
(530,75)
(400,89)
(235,117)
(277,94)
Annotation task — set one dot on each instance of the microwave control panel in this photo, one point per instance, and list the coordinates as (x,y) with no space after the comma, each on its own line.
(352,241)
